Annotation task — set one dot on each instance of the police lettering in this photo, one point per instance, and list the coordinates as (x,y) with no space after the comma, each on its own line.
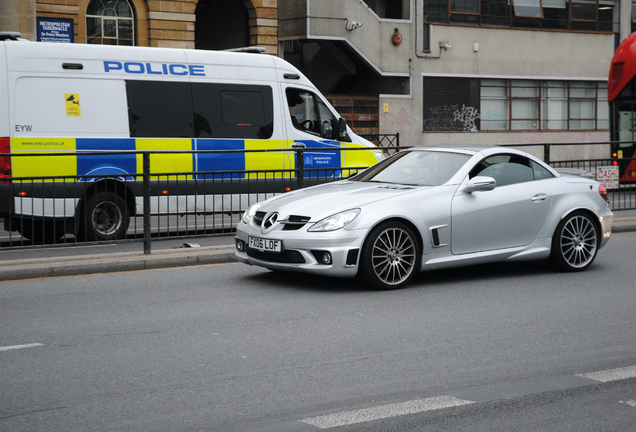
(138,68)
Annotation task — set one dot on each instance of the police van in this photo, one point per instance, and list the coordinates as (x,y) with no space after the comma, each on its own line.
(70,99)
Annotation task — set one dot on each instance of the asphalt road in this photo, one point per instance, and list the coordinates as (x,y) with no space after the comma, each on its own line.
(232,347)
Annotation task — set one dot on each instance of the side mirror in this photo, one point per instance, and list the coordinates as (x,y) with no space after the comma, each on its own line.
(480,184)
(342,128)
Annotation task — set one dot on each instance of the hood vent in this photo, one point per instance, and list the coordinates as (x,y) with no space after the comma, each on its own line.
(396,187)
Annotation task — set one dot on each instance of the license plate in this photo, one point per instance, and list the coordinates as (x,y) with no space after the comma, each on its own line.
(265,245)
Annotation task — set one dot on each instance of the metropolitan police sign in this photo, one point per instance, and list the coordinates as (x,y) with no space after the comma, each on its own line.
(55,30)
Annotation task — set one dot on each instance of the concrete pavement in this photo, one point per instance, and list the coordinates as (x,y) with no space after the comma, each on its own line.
(16,267)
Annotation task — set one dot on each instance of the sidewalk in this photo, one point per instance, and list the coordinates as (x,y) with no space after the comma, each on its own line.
(221,252)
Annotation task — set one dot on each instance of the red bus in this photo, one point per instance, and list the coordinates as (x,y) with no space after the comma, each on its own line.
(621,95)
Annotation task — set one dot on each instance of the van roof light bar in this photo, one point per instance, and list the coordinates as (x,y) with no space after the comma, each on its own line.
(252,49)
(10,35)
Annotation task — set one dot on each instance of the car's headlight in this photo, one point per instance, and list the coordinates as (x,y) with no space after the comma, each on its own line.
(335,222)
(250,212)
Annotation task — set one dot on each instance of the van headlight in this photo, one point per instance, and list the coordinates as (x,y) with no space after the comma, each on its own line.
(335,222)
(250,212)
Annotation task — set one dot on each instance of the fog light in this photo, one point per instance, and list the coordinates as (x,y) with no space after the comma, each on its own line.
(240,245)
(326,258)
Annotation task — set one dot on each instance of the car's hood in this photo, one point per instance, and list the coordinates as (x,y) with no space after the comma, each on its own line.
(321,201)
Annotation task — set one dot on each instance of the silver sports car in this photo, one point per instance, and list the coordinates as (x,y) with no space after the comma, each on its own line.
(430,208)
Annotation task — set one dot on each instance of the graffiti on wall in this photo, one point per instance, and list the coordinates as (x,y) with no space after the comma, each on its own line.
(452,118)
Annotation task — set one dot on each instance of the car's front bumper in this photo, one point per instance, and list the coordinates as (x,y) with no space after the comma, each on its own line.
(303,251)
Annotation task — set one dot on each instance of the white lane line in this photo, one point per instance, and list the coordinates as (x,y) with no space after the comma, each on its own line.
(14,347)
(385,411)
(437,402)
(612,374)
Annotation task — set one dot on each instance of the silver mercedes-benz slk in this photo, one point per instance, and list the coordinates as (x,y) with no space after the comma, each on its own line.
(430,208)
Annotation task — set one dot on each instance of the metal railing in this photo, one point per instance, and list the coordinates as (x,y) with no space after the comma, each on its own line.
(59,209)
(389,143)
(145,205)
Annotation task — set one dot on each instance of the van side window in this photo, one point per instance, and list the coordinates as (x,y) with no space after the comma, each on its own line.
(232,111)
(159,109)
(310,114)
(199,110)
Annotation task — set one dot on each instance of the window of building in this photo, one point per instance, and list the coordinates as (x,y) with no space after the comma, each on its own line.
(110,22)
(576,15)
(543,105)
(528,8)
(454,104)
(391,9)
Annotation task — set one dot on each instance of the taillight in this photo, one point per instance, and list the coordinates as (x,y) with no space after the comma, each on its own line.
(5,161)
(603,192)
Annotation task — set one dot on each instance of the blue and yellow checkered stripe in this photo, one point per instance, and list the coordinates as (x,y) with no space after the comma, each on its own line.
(74,165)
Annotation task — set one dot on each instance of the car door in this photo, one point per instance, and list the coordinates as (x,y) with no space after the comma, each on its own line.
(510,215)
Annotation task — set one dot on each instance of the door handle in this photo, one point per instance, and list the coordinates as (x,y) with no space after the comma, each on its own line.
(539,197)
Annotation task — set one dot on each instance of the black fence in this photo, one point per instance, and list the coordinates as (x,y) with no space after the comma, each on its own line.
(146,205)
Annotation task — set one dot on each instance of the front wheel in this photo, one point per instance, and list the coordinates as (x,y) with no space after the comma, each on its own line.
(106,217)
(389,256)
(575,243)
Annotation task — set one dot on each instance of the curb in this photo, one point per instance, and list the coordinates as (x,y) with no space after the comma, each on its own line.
(54,267)
(135,261)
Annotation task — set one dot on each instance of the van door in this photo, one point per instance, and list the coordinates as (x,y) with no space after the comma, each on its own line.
(310,121)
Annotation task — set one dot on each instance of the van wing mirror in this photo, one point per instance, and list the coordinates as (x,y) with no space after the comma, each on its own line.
(342,128)
(480,184)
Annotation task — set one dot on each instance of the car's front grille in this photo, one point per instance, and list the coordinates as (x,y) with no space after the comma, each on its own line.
(258,217)
(287,257)
(292,223)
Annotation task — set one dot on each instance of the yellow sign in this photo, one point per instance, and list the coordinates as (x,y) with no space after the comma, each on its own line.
(72,105)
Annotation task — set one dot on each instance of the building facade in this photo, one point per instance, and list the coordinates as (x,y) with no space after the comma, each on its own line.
(465,71)
(204,24)
(437,72)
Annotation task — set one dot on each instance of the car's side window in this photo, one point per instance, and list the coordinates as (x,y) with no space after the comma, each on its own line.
(505,169)
(540,172)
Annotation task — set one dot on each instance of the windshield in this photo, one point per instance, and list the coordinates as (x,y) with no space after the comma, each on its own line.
(417,168)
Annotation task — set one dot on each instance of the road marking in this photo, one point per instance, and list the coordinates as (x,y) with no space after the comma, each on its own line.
(479,395)
(385,411)
(612,374)
(14,347)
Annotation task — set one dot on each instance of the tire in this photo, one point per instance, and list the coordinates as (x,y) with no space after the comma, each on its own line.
(41,232)
(390,256)
(575,243)
(106,217)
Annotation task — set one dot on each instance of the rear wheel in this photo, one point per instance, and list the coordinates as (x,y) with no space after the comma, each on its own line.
(39,231)
(106,217)
(389,256)
(575,243)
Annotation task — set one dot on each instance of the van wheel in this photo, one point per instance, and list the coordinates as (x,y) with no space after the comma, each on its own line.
(106,217)
(40,232)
